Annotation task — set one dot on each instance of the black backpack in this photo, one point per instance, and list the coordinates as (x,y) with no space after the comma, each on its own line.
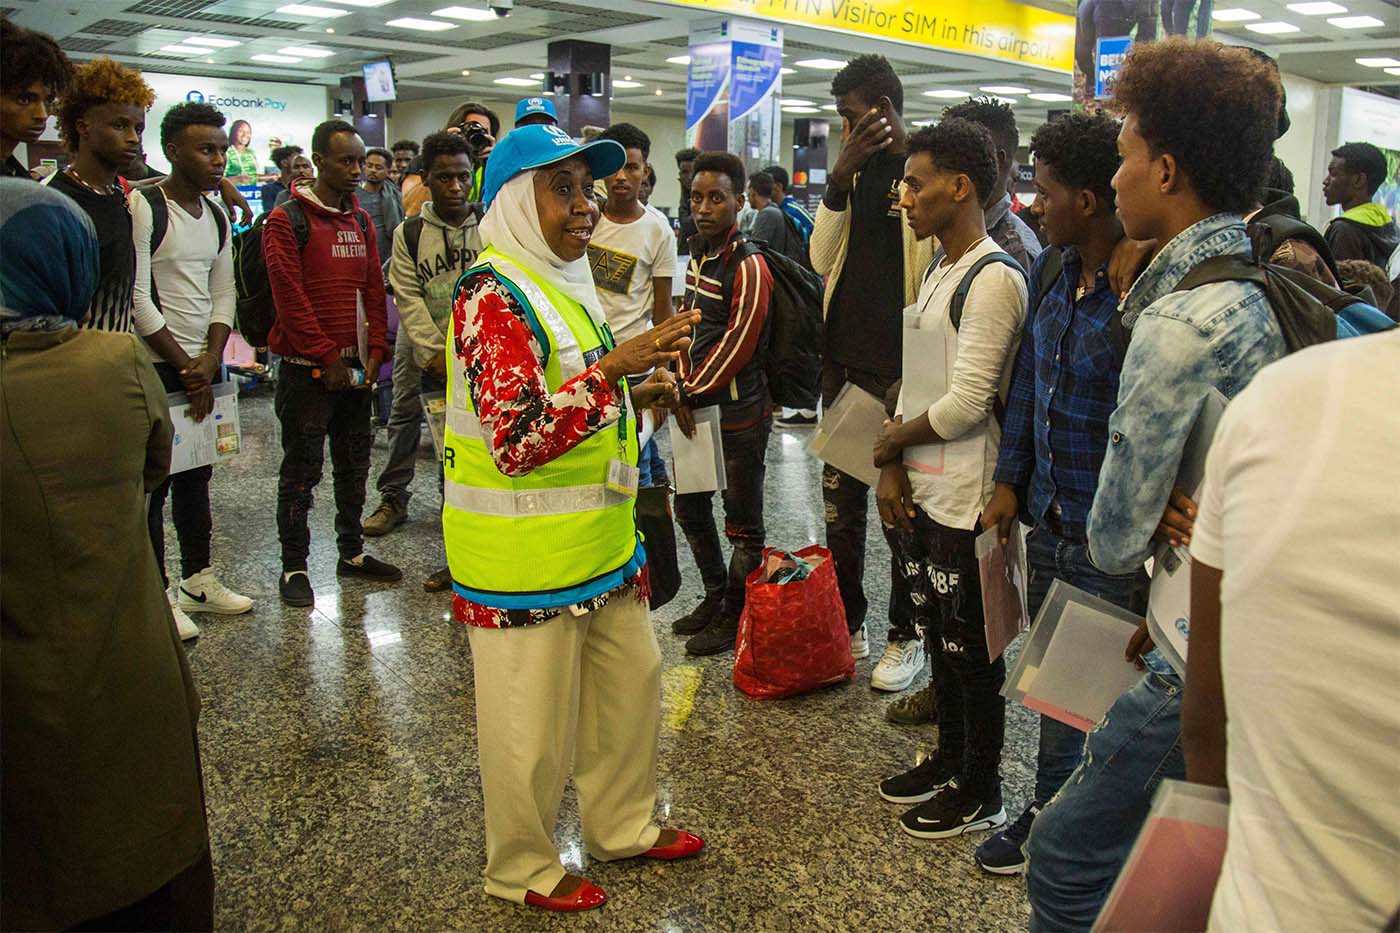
(256,310)
(793,362)
(160,223)
(955,306)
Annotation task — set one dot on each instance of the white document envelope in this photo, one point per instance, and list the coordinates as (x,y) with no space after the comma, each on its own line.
(698,463)
(216,437)
(925,373)
(845,437)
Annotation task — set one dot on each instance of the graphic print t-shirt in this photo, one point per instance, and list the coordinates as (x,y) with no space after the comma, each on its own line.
(111,305)
(864,320)
(624,259)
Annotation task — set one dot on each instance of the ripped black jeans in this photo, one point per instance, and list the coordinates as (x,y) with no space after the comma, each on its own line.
(309,414)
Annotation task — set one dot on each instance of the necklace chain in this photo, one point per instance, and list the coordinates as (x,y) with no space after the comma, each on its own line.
(72,170)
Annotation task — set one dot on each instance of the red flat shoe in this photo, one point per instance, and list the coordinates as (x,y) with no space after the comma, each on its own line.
(686,845)
(587,897)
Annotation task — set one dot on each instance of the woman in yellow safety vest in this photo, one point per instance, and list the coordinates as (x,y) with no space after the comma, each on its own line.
(540,467)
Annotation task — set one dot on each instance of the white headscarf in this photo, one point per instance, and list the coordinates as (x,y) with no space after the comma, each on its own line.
(512,226)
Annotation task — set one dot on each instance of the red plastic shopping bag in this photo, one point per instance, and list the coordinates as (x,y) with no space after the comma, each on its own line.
(792,635)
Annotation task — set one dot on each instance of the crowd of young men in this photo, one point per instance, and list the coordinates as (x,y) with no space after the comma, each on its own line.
(1072,387)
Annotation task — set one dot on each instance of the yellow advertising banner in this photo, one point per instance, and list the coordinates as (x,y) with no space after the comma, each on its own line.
(1001,29)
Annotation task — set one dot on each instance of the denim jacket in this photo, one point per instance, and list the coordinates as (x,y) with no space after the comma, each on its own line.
(1182,344)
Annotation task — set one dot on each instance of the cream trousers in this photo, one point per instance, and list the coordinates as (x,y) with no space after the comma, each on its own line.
(574,691)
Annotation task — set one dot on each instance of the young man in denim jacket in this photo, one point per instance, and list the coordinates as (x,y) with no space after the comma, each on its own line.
(1196,141)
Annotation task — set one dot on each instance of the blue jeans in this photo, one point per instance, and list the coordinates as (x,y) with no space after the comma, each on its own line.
(1050,557)
(1079,842)
(652,467)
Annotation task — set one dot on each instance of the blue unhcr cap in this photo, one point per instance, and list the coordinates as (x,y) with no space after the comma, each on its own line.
(538,145)
(535,105)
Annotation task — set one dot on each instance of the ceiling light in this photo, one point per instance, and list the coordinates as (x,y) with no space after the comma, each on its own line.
(1392,71)
(329,29)
(1317,8)
(1378,62)
(925,123)
(1356,22)
(425,25)
(314,12)
(1050,98)
(1272,28)
(516,82)
(625,82)
(276,59)
(538,76)
(183,50)
(801,110)
(1233,15)
(945,93)
(1004,89)
(364,2)
(822,64)
(679,60)
(830,107)
(209,61)
(795,102)
(466,72)
(659,92)
(787,71)
(306,52)
(472,14)
(214,42)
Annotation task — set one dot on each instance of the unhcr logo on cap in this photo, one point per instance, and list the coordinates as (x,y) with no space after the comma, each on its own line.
(561,137)
(535,103)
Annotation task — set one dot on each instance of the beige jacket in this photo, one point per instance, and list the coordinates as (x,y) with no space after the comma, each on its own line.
(832,232)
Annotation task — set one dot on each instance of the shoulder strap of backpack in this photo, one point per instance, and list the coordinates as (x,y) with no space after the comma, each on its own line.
(301,227)
(955,307)
(1050,270)
(1231,268)
(160,214)
(412,233)
(220,218)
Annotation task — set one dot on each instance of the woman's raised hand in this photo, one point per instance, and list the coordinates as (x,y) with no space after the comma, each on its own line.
(660,346)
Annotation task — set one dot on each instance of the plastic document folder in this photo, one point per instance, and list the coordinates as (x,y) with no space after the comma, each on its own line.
(435,413)
(198,444)
(1072,667)
(845,437)
(925,372)
(1003,573)
(1168,882)
(698,462)
(1169,602)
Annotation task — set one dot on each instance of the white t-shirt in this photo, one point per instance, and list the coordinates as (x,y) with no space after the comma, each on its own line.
(193,277)
(625,258)
(1300,512)
(978,358)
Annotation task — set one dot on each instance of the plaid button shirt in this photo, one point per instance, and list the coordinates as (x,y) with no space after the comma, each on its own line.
(1063,390)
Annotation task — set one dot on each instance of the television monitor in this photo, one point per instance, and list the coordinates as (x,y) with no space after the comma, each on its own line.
(379,81)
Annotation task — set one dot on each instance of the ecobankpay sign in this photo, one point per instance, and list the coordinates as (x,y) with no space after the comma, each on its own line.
(1001,29)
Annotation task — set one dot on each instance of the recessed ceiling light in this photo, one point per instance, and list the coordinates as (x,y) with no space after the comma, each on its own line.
(801,110)
(466,72)
(1271,28)
(329,29)
(538,76)
(1049,97)
(183,50)
(830,107)
(276,59)
(625,83)
(1233,15)
(314,12)
(1317,8)
(925,123)
(1004,89)
(472,14)
(1379,62)
(1392,71)
(945,93)
(627,77)
(822,64)
(306,52)
(425,25)
(659,92)
(679,60)
(516,82)
(214,42)
(1356,22)
(795,102)
(364,2)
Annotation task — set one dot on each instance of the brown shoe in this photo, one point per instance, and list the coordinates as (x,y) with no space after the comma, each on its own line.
(385,519)
(438,582)
(914,709)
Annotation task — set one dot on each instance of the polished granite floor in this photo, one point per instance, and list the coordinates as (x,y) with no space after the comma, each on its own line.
(339,749)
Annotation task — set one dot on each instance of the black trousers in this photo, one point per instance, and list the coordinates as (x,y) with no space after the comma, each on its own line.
(309,414)
(189,504)
(940,566)
(847,505)
(185,902)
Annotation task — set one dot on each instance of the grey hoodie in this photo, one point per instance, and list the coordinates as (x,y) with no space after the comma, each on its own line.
(423,290)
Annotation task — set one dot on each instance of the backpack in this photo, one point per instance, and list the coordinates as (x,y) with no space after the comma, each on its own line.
(160,223)
(1268,233)
(257,312)
(955,306)
(793,361)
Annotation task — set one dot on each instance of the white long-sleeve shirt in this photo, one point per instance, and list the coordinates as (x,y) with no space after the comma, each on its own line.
(193,276)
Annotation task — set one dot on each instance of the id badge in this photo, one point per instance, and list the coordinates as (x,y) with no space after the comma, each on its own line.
(623,477)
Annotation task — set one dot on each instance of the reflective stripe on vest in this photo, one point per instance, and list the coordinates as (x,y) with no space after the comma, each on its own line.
(558,532)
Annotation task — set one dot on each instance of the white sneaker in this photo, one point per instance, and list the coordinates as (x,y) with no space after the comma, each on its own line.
(860,644)
(183,623)
(900,664)
(203,593)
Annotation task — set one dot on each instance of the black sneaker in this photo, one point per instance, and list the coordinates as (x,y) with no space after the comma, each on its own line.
(699,617)
(369,567)
(919,783)
(797,420)
(952,812)
(295,589)
(1003,853)
(715,638)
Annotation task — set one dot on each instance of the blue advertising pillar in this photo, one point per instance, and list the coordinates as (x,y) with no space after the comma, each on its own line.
(733,90)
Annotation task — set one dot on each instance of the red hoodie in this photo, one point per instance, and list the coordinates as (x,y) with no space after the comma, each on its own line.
(315,288)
